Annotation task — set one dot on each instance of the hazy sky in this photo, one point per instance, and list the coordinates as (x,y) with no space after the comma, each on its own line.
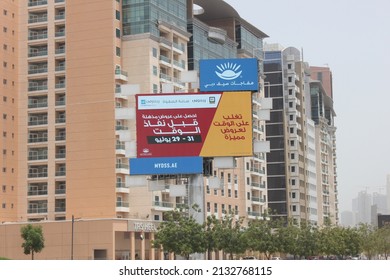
(352,37)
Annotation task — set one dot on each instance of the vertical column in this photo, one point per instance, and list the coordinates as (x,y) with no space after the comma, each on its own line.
(152,249)
(132,245)
(196,196)
(142,257)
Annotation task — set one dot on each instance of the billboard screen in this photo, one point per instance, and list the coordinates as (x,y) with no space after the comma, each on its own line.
(202,124)
(166,165)
(237,74)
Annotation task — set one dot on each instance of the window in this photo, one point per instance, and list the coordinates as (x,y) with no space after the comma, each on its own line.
(3,205)
(215,208)
(4,81)
(291,117)
(292,168)
(290,92)
(293,195)
(208,189)
(292,156)
(5,47)
(289,66)
(293,182)
(294,208)
(118,51)
(154,50)
(235,193)
(4,188)
(118,15)
(290,79)
(118,32)
(208,207)
(291,130)
(155,88)
(5,12)
(292,143)
(5,64)
(5,29)
(229,178)
(290,104)
(229,193)
(154,70)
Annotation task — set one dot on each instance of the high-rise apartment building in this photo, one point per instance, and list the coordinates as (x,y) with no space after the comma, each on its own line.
(323,114)
(69,70)
(9,110)
(302,181)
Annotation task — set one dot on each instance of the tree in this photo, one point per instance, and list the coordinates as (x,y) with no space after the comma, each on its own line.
(229,235)
(33,238)
(261,237)
(287,237)
(383,234)
(180,234)
(368,240)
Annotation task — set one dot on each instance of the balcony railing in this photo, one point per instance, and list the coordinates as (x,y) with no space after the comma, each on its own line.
(60,85)
(37,192)
(121,185)
(60,50)
(37,70)
(37,36)
(122,165)
(60,16)
(37,87)
(121,127)
(60,191)
(60,102)
(60,68)
(60,209)
(37,3)
(37,210)
(61,137)
(59,1)
(60,155)
(61,120)
(37,53)
(37,175)
(38,122)
(60,33)
(38,104)
(60,173)
(164,204)
(37,139)
(122,204)
(121,72)
(37,157)
(37,19)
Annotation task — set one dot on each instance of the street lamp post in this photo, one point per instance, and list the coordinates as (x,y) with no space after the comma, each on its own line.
(71,247)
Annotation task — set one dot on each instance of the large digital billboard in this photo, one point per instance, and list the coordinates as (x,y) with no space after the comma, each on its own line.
(201,124)
(237,74)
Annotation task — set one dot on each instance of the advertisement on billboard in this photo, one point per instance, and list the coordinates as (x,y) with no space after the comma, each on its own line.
(239,74)
(166,165)
(202,124)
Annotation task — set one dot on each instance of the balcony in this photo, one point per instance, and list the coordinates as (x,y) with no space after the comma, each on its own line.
(60,68)
(60,85)
(37,52)
(37,122)
(37,70)
(37,139)
(37,103)
(37,175)
(61,119)
(60,50)
(60,173)
(33,3)
(36,192)
(37,36)
(165,60)
(121,75)
(217,34)
(37,210)
(257,199)
(60,16)
(60,33)
(37,19)
(37,156)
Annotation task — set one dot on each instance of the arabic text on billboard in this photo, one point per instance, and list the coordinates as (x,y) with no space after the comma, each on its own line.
(203,124)
(229,74)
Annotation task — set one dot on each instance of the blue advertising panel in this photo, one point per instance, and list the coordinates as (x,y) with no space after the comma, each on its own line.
(166,165)
(237,74)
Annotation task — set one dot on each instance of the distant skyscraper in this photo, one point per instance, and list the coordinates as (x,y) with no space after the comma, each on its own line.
(388,193)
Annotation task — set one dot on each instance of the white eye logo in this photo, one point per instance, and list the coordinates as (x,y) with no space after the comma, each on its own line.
(145,150)
(228,71)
